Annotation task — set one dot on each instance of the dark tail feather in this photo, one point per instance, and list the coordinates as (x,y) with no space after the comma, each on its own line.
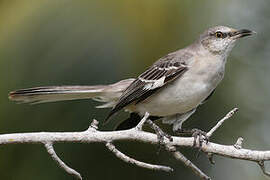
(129,123)
(109,94)
(109,116)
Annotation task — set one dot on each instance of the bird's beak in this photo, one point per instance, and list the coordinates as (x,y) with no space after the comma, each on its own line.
(242,33)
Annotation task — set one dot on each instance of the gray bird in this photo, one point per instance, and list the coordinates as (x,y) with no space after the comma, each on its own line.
(171,89)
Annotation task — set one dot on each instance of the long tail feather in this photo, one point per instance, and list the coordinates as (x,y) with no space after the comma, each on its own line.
(109,94)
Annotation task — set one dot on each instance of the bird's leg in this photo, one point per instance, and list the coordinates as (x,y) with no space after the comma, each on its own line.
(160,133)
(156,128)
(196,134)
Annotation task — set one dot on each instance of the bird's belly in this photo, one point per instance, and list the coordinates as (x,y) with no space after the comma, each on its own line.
(180,96)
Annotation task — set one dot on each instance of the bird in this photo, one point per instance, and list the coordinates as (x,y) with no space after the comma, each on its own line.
(171,89)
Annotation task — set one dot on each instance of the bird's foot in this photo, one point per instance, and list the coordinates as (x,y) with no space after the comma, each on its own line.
(161,135)
(198,135)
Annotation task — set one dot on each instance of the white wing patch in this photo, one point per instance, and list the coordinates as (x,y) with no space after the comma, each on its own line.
(166,68)
(153,84)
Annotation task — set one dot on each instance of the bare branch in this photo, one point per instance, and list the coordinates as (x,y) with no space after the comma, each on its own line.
(179,156)
(93,135)
(127,159)
(229,115)
(131,135)
(52,153)
(93,126)
(239,142)
(141,123)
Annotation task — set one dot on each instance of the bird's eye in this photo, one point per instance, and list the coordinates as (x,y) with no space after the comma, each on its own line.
(219,34)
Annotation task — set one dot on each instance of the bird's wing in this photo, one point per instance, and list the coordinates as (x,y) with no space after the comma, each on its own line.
(158,75)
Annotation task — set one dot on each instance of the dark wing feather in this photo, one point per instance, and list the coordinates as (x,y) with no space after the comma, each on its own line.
(163,71)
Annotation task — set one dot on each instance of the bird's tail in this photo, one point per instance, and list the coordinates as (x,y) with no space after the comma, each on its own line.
(109,94)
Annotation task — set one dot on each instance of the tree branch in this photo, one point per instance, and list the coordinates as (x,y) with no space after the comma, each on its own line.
(179,156)
(220,122)
(52,153)
(93,135)
(127,159)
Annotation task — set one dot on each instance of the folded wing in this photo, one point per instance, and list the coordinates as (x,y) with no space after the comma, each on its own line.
(154,78)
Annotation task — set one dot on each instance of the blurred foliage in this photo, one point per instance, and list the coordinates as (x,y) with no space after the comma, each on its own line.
(98,42)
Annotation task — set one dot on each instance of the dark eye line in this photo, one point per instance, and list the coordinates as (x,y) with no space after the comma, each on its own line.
(224,35)
(230,34)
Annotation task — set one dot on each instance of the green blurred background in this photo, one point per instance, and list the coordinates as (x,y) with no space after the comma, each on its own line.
(80,42)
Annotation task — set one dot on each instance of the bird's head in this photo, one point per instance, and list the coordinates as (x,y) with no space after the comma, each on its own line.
(221,39)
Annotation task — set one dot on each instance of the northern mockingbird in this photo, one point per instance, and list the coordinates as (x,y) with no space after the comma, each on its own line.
(171,89)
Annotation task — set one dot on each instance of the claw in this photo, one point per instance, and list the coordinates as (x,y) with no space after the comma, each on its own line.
(201,135)
(198,135)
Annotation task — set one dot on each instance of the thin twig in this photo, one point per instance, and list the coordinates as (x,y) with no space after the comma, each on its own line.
(52,153)
(239,142)
(179,156)
(127,159)
(229,115)
(141,123)
(93,126)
